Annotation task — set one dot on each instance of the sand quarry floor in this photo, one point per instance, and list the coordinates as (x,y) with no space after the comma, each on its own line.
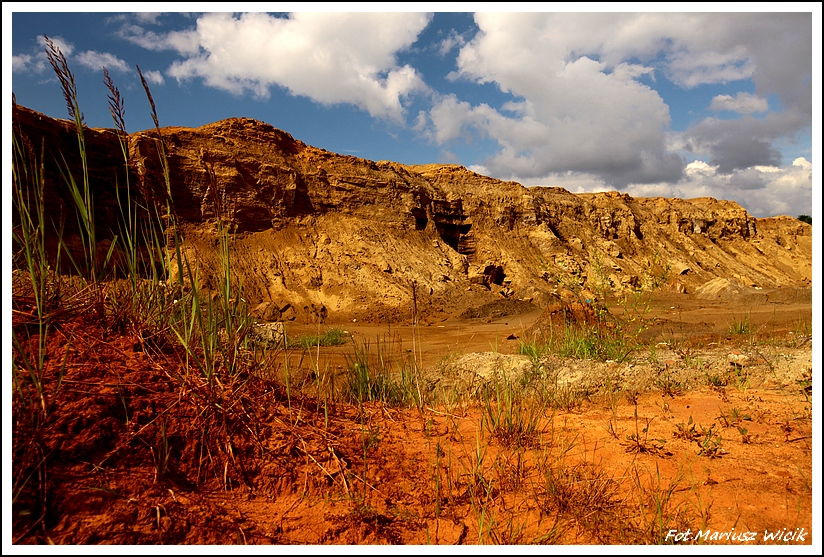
(702,435)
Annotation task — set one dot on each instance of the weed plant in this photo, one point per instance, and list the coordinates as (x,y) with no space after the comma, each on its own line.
(686,431)
(369,377)
(639,442)
(153,302)
(743,326)
(513,419)
(733,417)
(709,443)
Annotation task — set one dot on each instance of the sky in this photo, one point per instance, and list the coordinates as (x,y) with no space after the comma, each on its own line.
(673,104)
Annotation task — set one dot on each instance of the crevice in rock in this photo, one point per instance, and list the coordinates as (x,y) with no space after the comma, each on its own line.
(458,236)
(421,220)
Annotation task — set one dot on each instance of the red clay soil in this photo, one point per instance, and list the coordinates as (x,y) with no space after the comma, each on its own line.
(131,446)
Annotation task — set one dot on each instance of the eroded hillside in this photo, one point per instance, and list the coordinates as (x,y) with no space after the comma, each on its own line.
(319,234)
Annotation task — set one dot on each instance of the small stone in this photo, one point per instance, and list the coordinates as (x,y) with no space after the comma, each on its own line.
(736,358)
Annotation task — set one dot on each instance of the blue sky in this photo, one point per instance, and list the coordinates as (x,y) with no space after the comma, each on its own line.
(652,104)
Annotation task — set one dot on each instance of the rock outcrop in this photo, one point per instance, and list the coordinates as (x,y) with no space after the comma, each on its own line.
(328,235)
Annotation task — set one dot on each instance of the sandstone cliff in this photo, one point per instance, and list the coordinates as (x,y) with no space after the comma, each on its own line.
(319,234)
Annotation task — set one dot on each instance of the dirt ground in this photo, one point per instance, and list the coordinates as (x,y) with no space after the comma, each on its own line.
(704,429)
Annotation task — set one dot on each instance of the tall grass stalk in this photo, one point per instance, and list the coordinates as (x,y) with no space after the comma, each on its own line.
(126,205)
(43,277)
(658,511)
(82,194)
(36,384)
(511,417)
(208,331)
(365,380)
(142,258)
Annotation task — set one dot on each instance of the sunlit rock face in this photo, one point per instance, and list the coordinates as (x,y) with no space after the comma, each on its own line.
(323,234)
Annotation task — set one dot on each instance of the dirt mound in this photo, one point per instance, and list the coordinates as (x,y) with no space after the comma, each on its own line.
(558,316)
(467,376)
(790,295)
(723,288)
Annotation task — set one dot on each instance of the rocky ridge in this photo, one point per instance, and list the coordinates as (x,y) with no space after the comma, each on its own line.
(318,235)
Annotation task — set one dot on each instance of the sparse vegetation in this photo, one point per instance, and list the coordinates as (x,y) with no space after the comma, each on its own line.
(605,321)
(511,417)
(717,380)
(709,443)
(639,442)
(669,384)
(334,336)
(742,326)
(686,431)
(746,436)
(207,333)
(733,417)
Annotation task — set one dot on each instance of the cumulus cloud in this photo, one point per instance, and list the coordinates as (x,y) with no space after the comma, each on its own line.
(579,103)
(743,103)
(37,61)
(748,141)
(572,113)
(748,179)
(781,47)
(147,17)
(20,62)
(690,69)
(65,47)
(454,39)
(154,77)
(329,57)
(763,191)
(184,42)
(91,59)
(97,60)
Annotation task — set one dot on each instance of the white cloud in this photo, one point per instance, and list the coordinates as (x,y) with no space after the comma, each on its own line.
(745,142)
(20,62)
(689,68)
(762,191)
(147,17)
(154,77)
(329,57)
(451,41)
(802,164)
(184,42)
(576,182)
(65,47)
(573,112)
(37,61)
(451,118)
(579,104)
(97,60)
(149,40)
(631,71)
(743,103)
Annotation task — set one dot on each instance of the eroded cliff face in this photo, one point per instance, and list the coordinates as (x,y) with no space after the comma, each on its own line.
(319,234)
